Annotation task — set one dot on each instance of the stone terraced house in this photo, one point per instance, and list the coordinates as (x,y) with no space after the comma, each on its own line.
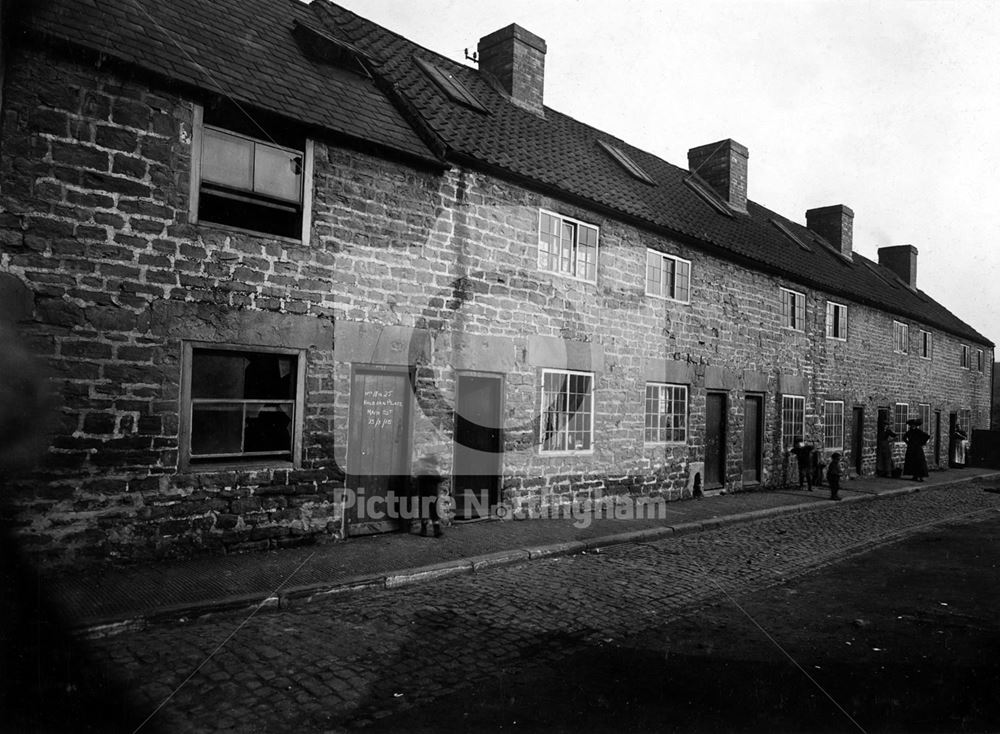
(271,252)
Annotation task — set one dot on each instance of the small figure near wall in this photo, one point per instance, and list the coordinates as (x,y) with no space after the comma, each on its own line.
(428,481)
(833,476)
(915,462)
(803,453)
(884,465)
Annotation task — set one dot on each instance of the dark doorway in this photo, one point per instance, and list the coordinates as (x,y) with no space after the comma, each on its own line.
(715,440)
(858,439)
(478,444)
(753,430)
(378,448)
(937,437)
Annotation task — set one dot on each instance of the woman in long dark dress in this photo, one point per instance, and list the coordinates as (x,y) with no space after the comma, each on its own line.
(915,462)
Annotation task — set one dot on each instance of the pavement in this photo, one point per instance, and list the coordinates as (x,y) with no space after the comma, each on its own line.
(109,600)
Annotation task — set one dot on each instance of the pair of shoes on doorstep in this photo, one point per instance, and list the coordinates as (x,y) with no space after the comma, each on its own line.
(438,532)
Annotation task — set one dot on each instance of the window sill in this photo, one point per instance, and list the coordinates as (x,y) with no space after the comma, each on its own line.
(251,232)
(837,338)
(216,468)
(664,444)
(567,276)
(668,298)
(557,454)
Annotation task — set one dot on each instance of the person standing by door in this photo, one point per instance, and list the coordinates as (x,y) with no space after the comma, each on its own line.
(915,462)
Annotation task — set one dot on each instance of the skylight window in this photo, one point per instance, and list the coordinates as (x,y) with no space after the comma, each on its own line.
(705,192)
(451,86)
(627,163)
(880,276)
(790,235)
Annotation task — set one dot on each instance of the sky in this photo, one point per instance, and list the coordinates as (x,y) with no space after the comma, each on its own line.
(889,107)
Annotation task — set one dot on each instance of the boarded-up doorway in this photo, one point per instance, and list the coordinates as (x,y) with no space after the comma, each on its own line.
(478,444)
(378,448)
(753,430)
(715,440)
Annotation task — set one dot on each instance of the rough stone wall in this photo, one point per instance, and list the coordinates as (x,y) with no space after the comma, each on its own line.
(404,267)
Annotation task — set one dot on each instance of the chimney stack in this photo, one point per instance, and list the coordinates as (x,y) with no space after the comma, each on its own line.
(723,166)
(835,224)
(902,260)
(516,59)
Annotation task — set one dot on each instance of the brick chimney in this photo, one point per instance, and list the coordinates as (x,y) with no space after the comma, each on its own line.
(902,260)
(835,224)
(516,59)
(723,166)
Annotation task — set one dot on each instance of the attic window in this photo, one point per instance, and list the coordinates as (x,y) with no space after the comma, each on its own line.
(321,46)
(627,163)
(880,276)
(451,86)
(790,235)
(845,259)
(706,193)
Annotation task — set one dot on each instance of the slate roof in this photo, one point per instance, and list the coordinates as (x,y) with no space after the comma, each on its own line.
(246,47)
(243,49)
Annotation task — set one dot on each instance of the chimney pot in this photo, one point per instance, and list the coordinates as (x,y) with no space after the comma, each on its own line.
(835,224)
(723,166)
(902,260)
(516,59)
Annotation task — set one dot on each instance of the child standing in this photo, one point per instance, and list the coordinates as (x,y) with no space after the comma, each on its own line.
(833,476)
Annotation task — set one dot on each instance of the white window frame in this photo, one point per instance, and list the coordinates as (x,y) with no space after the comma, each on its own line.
(926,345)
(194,185)
(563,219)
(788,403)
(542,413)
(966,358)
(963,418)
(186,408)
(831,309)
(674,286)
(924,413)
(793,309)
(660,398)
(899,426)
(833,440)
(900,337)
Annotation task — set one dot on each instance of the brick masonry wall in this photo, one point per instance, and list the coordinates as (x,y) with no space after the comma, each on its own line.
(94,221)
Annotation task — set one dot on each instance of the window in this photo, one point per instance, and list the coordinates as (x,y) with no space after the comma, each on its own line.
(980,360)
(900,415)
(626,162)
(668,276)
(965,357)
(567,411)
(833,425)
(666,413)
(925,345)
(567,246)
(793,421)
(900,337)
(451,86)
(793,310)
(836,320)
(965,422)
(924,414)
(241,406)
(239,180)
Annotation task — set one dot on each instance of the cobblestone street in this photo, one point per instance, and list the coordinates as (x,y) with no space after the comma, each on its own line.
(354,658)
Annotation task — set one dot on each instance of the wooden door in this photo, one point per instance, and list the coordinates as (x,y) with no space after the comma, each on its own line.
(753,429)
(478,444)
(715,440)
(858,439)
(378,451)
